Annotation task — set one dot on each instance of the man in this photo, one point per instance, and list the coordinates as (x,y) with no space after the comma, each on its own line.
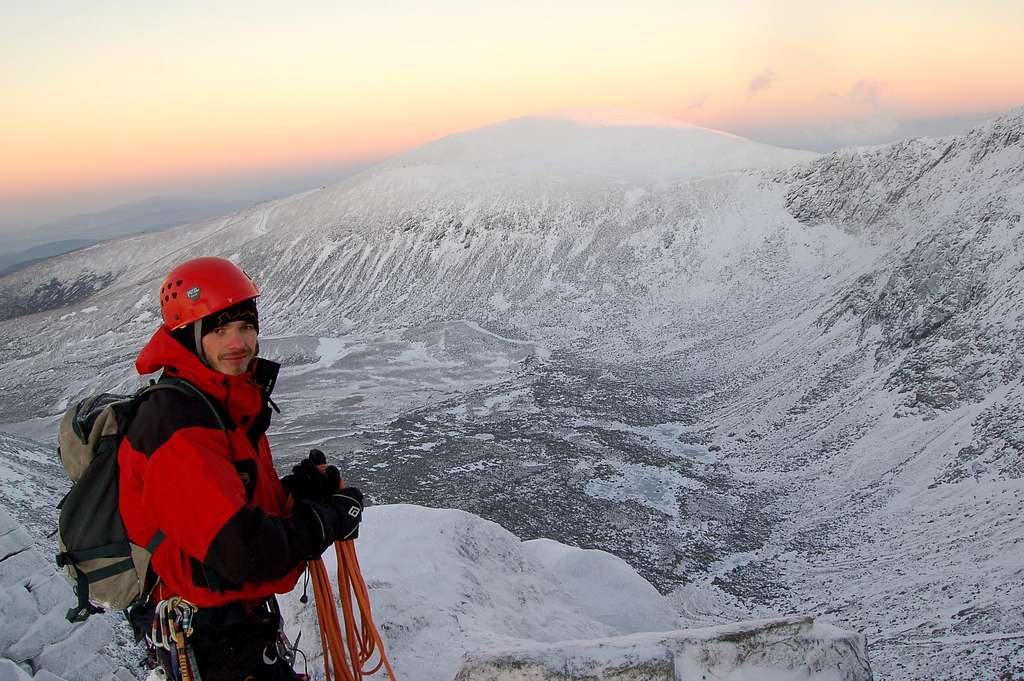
(197,479)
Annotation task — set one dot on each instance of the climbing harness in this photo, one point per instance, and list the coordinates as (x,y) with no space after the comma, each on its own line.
(171,628)
(286,650)
(174,620)
(364,640)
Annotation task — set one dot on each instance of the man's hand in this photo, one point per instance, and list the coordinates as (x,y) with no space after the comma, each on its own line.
(312,479)
(336,519)
(348,503)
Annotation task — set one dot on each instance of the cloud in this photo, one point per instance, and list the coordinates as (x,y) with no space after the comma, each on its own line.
(831,135)
(866,96)
(761,81)
(868,92)
(876,126)
(698,102)
(863,115)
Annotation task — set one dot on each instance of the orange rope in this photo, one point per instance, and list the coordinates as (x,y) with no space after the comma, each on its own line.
(364,641)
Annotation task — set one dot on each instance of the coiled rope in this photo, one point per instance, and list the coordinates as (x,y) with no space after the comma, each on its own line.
(364,643)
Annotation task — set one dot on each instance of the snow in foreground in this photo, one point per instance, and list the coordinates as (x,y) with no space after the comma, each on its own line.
(458,596)
(455,596)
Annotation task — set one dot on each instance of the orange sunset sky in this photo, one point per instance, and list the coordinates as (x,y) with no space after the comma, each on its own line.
(106,102)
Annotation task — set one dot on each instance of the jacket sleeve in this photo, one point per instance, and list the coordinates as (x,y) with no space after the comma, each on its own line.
(196,497)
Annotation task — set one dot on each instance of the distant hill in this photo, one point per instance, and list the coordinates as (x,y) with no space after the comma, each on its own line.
(20,248)
(15,261)
(78,231)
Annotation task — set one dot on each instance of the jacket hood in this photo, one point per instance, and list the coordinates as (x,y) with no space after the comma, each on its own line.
(244,395)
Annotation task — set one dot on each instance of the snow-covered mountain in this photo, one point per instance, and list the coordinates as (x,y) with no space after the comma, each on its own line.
(771,381)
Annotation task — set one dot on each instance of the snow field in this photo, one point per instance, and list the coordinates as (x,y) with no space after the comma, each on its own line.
(445,582)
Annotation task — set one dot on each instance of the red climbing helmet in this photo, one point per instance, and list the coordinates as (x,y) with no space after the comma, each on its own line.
(200,287)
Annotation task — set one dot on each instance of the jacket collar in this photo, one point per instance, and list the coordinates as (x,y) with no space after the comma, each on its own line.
(241,396)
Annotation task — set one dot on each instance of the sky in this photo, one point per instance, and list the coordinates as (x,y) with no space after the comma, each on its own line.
(108,102)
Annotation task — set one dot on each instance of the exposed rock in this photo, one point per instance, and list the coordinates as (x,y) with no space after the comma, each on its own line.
(783,649)
(36,641)
(49,295)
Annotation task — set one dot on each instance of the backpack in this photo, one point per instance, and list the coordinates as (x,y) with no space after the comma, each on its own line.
(107,570)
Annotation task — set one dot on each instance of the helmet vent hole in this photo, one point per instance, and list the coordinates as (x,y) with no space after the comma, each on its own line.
(178,283)
(174,295)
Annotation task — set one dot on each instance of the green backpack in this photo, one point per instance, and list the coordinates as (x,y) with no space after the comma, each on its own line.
(107,570)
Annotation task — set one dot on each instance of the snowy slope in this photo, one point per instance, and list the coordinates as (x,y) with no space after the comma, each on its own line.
(790,388)
(885,418)
(444,584)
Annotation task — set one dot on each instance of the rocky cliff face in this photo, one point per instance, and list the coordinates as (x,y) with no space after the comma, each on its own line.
(941,312)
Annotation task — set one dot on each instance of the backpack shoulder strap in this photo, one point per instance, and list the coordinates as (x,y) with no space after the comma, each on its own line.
(183,387)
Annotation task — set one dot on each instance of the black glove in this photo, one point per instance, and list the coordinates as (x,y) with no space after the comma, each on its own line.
(307,482)
(313,530)
(348,503)
(336,519)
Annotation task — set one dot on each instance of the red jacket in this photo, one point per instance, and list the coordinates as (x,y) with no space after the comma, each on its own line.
(214,495)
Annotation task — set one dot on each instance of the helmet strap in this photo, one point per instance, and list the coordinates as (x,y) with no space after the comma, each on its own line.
(197,329)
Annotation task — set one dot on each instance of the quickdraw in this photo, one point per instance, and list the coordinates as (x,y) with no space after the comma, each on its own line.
(171,628)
